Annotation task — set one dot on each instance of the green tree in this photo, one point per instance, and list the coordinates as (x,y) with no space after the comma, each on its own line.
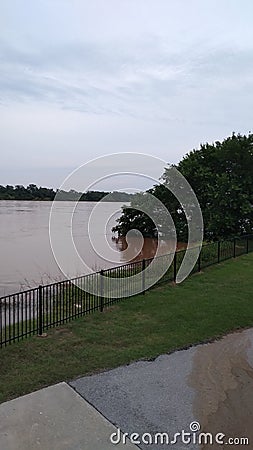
(134,219)
(221,175)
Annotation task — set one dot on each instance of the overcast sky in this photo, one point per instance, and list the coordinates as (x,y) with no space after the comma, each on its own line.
(80,79)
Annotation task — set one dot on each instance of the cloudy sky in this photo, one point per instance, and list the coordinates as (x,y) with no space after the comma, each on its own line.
(81,79)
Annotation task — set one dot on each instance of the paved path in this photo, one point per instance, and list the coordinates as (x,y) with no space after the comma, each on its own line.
(211,384)
(55,418)
(146,396)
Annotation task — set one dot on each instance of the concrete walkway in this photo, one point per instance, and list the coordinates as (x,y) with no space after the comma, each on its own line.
(210,386)
(55,418)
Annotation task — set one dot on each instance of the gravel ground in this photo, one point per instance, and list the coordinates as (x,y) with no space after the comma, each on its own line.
(146,396)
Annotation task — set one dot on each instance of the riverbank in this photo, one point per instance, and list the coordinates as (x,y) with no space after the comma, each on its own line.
(204,307)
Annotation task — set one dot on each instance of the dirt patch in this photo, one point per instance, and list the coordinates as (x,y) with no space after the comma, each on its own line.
(109,309)
(63,332)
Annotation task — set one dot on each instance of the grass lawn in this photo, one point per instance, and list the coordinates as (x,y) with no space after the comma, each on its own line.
(205,306)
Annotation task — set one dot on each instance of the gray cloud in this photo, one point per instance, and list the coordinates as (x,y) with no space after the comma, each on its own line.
(86,78)
(132,76)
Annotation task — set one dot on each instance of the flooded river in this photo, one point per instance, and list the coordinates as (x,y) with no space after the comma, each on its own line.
(26,255)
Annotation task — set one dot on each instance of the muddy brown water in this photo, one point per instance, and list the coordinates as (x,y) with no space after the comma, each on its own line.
(26,255)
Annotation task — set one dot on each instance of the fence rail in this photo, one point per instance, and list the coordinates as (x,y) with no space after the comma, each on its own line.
(36,310)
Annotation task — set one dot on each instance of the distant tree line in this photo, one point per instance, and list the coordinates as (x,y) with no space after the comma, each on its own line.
(221,175)
(33,192)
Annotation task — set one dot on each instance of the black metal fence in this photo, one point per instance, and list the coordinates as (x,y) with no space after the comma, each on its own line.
(36,310)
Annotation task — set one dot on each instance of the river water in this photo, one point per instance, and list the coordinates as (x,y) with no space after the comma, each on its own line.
(26,255)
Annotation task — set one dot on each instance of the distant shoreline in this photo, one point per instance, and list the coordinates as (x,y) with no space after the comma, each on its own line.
(35,193)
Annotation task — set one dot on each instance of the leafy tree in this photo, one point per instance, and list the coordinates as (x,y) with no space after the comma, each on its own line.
(134,219)
(221,175)
(21,193)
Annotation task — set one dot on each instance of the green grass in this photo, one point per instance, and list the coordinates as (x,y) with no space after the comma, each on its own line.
(205,306)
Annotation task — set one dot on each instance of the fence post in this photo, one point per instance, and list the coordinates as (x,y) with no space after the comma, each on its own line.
(40,311)
(218,252)
(101,290)
(1,325)
(199,261)
(143,275)
(175,268)
(234,248)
